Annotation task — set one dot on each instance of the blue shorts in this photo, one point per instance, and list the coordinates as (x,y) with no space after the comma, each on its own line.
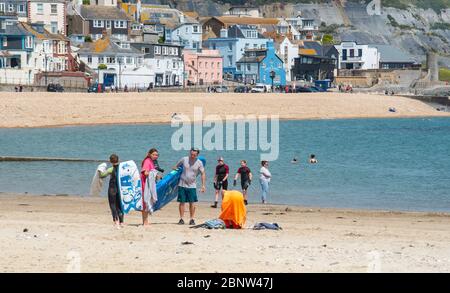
(187,194)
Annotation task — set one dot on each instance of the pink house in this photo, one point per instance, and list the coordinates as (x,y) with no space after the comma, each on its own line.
(203,67)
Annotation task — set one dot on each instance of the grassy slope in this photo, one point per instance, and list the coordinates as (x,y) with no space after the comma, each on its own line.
(444,74)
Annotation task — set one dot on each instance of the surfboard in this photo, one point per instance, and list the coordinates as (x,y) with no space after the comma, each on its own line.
(167,188)
(130,186)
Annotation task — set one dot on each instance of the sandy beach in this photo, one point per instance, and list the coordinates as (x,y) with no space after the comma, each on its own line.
(76,234)
(41,109)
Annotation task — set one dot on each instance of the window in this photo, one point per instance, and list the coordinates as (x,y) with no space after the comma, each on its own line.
(158,65)
(54,27)
(120,24)
(230,47)
(89,59)
(108,24)
(352,52)
(146,50)
(195,28)
(11,8)
(21,8)
(174,64)
(54,9)
(129,60)
(230,60)
(111,60)
(99,23)
(5,41)
(206,64)
(2,7)
(344,54)
(193,63)
(125,45)
(200,64)
(239,67)
(212,65)
(164,50)
(120,59)
(175,51)
(29,42)
(101,59)
(360,52)
(249,67)
(40,8)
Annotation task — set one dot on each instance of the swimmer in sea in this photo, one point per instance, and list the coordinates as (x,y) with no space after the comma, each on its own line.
(312,159)
(294,160)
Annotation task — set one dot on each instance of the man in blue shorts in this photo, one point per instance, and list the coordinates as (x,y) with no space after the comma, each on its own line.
(187,187)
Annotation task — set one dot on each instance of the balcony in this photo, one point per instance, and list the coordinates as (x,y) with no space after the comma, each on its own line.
(352,59)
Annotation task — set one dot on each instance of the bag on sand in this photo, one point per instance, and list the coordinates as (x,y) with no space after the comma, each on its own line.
(212,224)
(268,226)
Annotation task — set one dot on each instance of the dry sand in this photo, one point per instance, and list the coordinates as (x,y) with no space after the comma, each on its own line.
(73,233)
(41,109)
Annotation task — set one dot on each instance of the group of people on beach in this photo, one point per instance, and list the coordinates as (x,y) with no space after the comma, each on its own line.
(187,186)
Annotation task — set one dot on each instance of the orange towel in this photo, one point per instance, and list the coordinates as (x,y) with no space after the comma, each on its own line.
(234,213)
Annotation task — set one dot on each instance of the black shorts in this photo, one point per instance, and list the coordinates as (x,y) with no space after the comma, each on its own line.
(245,184)
(221,185)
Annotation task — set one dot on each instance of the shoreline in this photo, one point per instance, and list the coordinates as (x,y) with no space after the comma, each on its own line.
(205,203)
(43,234)
(31,110)
(168,123)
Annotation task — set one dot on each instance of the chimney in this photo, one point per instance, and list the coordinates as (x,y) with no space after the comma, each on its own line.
(224,33)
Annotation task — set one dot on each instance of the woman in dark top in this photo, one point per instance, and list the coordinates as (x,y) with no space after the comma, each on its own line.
(113,191)
(246,178)
(220,179)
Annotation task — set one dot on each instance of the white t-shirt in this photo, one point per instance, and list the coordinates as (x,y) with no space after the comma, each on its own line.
(265,174)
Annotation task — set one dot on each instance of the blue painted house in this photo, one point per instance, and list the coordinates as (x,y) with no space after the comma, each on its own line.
(257,64)
(232,44)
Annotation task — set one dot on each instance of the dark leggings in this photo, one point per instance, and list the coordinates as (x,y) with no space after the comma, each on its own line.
(114,204)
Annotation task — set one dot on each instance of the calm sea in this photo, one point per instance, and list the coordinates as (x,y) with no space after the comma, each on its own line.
(389,164)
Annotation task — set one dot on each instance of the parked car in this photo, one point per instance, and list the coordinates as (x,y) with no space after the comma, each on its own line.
(94,88)
(261,88)
(55,88)
(303,89)
(242,89)
(219,89)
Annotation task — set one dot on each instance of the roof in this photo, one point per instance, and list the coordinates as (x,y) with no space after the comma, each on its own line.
(251,59)
(15,30)
(310,52)
(102,12)
(230,20)
(313,45)
(46,35)
(192,14)
(390,54)
(236,31)
(106,46)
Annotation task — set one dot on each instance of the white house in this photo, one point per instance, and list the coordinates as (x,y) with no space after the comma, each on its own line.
(188,33)
(355,56)
(52,13)
(246,11)
(288,52)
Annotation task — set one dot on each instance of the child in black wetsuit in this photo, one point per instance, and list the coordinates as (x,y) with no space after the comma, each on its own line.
(113,191)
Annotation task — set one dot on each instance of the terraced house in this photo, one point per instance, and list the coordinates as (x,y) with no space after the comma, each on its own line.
(52,13)
(95,21)
(18,8)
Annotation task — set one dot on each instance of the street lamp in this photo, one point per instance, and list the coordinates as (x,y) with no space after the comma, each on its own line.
(272,76)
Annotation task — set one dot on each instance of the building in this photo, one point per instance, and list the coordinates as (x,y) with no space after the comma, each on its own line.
(302,28)
(18,8)
(232,43)
(112,3)
(163,62)
(216,24)
(313,67)
(29,49)
(203,67)
(355,56)
(258,65)
(95,21)
(287,51)
(187,33)
(393,58)
(240,11)
(52,13)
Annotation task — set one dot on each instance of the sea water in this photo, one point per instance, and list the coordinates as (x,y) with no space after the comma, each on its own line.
(388,164)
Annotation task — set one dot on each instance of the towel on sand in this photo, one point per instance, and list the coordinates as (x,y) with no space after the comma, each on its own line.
(234,213)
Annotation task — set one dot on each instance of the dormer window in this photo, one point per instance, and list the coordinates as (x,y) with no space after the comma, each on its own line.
(99,23)
(125,45)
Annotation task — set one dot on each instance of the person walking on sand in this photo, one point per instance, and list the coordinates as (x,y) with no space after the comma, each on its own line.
(146,167)
(246,178)
(264,179)
(187,187)
(220,179)
(113,191)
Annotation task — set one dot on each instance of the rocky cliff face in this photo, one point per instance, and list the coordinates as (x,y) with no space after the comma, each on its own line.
(413,30)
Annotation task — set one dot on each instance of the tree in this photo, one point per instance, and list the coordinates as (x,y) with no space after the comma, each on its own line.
(86,2)
(88,39)
(327,40)
(161,40)
(102,67)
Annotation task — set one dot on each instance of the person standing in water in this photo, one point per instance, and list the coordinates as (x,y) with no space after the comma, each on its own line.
(246,178)
(187,187)
(146,167)
(220,179)
(113,191)
(264,179)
